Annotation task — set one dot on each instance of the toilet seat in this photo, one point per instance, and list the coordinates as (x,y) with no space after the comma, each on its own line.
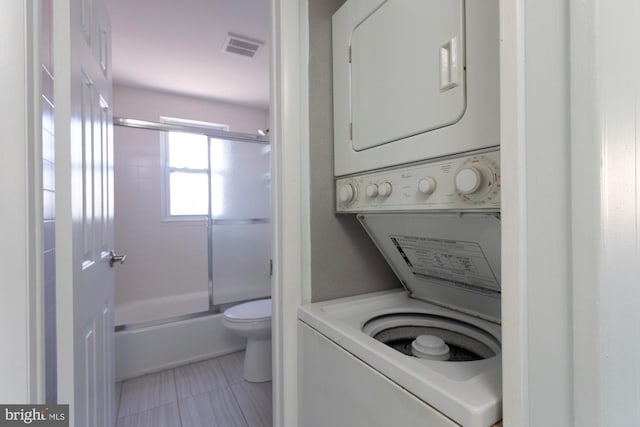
(253,311)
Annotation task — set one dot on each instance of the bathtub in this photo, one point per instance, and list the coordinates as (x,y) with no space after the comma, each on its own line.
(145,349)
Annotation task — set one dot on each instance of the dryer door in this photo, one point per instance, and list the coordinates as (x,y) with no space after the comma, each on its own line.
(407,70)
(413,80)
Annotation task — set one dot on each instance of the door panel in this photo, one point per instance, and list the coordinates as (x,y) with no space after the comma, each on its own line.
(240,229)
(407,62)
(85,211)
(88,396)
(239,179)
(87,175)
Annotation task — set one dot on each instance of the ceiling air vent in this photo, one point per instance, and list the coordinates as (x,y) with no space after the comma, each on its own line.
(242,45)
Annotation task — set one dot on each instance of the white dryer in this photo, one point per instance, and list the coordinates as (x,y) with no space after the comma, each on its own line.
(413,80)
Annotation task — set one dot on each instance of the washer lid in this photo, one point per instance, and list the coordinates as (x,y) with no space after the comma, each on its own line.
(250,311)
(445,258)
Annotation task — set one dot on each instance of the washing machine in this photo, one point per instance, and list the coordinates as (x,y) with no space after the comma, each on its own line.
(429,354)
(413,80)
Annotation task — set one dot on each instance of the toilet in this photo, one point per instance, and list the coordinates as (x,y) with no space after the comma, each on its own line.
(252,320)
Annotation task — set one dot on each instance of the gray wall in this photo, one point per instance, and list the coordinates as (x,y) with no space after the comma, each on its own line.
(344,261)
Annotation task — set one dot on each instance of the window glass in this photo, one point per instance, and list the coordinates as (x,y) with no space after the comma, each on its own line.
(189,193)
(187,150)
(186,170)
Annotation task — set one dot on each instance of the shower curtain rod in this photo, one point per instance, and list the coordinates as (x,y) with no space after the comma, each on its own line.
(170,127)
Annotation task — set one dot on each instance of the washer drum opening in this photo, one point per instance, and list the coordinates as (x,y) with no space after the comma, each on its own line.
(465,342)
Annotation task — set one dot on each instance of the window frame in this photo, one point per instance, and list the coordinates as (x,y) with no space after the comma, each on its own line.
(165,187)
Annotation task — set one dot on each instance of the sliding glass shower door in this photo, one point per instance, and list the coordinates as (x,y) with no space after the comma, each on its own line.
(192,213)
(239,231)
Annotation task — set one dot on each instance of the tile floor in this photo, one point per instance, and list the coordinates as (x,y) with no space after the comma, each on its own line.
(204,394)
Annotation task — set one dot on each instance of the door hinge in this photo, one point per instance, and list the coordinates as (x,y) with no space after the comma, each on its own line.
(270,267)
(351,131)
(349,54)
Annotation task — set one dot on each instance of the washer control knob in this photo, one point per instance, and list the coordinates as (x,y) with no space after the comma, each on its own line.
(372,190)
(347,193)
(467,180)
(427,185)
(384,189)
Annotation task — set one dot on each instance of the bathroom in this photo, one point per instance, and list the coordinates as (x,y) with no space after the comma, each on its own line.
(214,255)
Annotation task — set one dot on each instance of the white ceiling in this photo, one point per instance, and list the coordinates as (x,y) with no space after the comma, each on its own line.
(176,46)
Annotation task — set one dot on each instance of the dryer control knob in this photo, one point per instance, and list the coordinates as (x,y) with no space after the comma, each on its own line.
(427,185)
(347,193)
(384,189)
(372,190)
(467,180)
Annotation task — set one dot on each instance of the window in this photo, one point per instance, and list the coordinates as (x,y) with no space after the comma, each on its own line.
(186,165)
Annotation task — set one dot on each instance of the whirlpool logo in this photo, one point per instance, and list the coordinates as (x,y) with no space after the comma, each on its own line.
(36,415)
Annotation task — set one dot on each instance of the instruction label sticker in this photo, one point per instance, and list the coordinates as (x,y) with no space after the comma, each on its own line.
(451,260)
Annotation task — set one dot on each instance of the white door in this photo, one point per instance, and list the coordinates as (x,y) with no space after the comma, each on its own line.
(84,211)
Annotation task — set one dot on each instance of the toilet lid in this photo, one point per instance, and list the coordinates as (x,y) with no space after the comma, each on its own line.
(250,311)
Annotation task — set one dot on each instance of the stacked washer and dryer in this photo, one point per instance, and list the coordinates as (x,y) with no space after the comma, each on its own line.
(417,161)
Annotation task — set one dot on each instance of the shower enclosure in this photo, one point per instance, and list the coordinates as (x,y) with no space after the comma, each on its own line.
(192,214)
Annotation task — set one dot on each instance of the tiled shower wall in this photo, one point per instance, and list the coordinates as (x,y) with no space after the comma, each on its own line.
(48,201)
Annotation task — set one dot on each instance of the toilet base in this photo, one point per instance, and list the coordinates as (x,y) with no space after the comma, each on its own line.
(257,360)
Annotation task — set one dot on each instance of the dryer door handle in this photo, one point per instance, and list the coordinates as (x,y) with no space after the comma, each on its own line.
(449,65)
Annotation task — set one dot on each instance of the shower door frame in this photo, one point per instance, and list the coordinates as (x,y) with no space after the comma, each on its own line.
(209,133)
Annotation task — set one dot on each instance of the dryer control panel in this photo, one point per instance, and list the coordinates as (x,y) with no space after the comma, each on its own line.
(465,183)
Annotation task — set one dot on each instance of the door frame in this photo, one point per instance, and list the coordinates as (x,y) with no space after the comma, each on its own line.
(525,47)
(21,248)
(290,229)
(536,210)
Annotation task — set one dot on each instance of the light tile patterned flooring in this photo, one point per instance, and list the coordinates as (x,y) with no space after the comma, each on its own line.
(204,394)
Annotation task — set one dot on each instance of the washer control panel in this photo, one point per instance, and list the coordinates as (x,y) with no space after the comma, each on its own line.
(470,182)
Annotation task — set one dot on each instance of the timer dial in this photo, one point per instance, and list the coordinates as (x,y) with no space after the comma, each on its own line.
(468,180)
(478,180)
